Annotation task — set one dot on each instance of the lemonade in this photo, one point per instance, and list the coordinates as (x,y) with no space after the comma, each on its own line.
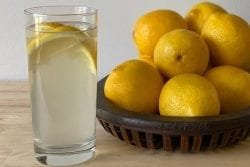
(62,72)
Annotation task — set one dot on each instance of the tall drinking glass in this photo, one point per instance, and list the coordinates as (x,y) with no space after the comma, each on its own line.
(61,47)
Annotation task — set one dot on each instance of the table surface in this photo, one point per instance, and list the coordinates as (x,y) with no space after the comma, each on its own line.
(16,149)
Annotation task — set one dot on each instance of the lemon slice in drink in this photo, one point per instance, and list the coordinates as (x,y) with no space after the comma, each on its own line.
(42,27)
(47,26)
(46,45)
(47,32)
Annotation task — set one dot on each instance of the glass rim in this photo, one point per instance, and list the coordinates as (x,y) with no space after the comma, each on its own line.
(34,11)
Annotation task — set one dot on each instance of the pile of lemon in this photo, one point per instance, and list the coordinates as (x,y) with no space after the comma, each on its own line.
(193,66)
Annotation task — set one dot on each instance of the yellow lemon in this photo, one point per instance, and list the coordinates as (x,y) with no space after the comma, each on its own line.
(198,15)
(210,66)
(181,51)
(151,26)
(233,86)
(189,95)
(134,85)
(147,59)
(228,38)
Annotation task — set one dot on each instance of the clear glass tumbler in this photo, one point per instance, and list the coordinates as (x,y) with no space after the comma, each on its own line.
(61,47)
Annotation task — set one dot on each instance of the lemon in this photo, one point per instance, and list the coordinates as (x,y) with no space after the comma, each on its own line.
(47,26)
(228,38)
(41,27)
(210,66)
(151,26)
(45,45)
(47,32)
(233,86)
(147,59)
(189,95)
(181,51)
(134,85)
(198,15)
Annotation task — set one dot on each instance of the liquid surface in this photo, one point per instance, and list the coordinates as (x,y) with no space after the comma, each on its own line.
(62,69)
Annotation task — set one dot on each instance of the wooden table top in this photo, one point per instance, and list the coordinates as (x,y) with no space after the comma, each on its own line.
(16,149)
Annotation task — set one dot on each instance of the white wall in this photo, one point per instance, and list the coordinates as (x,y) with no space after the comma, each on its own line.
(116,19)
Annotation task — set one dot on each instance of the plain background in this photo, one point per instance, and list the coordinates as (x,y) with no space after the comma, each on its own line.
(116,20)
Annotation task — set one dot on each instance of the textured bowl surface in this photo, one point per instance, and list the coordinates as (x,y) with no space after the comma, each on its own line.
(171,133)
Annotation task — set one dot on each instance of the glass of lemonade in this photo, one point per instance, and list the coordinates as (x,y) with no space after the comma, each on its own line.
(62,55)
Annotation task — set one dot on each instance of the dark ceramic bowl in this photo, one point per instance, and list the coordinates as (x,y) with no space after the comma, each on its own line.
(171,133)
